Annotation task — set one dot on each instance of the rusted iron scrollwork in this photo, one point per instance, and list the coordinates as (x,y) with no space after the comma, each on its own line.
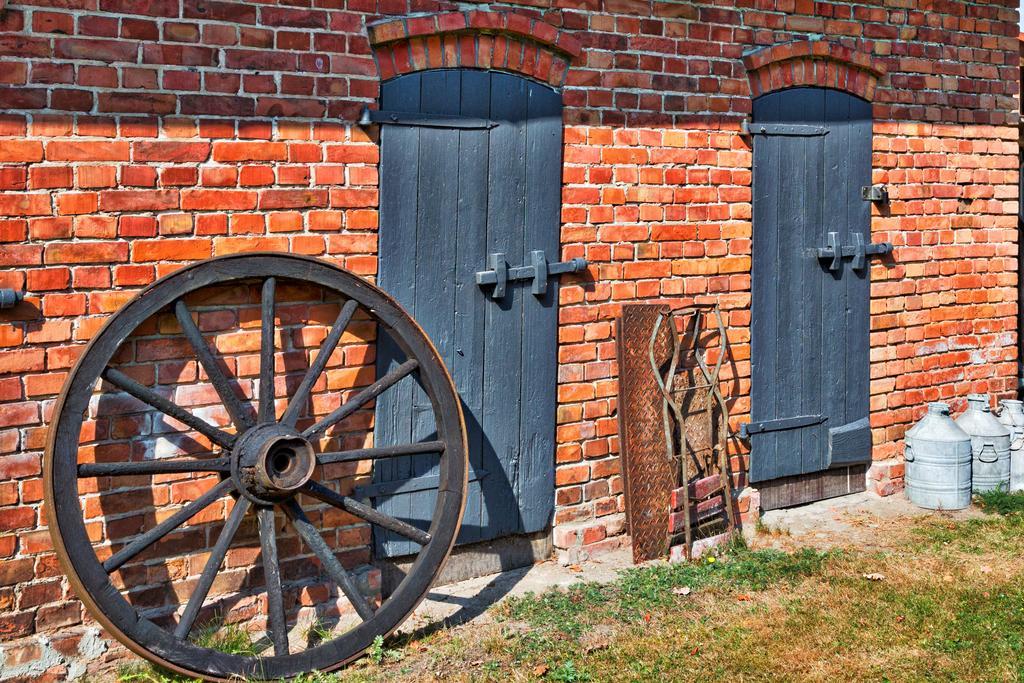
(676,418)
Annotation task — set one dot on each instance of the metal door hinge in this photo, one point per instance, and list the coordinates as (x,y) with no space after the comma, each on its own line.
(539,270)
(859,250)
(788,129)
(408,118)
(9,298)
(875,193)
(749,428)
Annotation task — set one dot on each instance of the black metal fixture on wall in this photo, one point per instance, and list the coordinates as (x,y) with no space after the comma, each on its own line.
(369,117)
(9,298)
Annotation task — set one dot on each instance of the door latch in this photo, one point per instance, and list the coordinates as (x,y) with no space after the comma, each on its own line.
(858,250)
(539,270)
(875,193)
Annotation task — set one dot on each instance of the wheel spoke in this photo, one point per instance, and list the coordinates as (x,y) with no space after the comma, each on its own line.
(362,398)
(277,625)
(298,400)
(147,539)
(338,574)
(266,410)
(238,412)
(151,398)
(169,466)
(220,549)
(366,512)
(382,452)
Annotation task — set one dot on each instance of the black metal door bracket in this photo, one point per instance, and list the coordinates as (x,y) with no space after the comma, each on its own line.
(859,250)
(749,428)
(875,193)
(539,271)
(408,118)
(787,129)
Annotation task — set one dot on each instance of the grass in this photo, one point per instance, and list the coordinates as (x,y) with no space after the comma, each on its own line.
(1001,502)
(942,600)
(639,592)
(229,638)
(215,634)
(378,654)
(945,603)
(562,623)
(318,632)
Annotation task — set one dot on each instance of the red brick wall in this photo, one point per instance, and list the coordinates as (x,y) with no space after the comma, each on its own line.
(139,136)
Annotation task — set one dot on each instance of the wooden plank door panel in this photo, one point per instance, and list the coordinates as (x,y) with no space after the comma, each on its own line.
(810,325)
(854,433)
(788,299)
(506,216)
(433,292)
(839,217)
(811,321)
(764,323)
(398,415)
(535,475)
(465,194)
(399,172)
(467,363)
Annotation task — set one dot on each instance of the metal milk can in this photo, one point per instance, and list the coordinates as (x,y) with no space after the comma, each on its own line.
(1012,415)
(938,461)
(990,443)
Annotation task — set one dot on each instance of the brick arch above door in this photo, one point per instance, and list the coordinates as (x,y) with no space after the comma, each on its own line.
(480,39)
(820,63)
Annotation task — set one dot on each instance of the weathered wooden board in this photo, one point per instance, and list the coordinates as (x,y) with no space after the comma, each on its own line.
(810,325)
(857,282)
(449,198)
(807,488)
(535,481)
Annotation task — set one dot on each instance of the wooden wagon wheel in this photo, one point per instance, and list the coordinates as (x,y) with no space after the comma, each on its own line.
(262,463)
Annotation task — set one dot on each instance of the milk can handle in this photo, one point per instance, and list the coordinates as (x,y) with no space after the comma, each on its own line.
(908,452)
(1017,443)
(988,448)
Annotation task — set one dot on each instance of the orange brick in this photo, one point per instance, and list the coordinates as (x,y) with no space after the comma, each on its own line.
(86,252)
(20,150)
(81,150)
(171,250)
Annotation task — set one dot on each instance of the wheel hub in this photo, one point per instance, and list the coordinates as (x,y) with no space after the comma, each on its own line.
(271,462)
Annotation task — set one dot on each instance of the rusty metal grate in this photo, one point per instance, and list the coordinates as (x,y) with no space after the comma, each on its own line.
(648,476)
(673,426)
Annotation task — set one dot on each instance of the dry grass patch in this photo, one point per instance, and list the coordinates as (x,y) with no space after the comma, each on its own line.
(936,599)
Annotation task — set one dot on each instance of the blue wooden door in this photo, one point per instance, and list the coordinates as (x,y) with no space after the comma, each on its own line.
(810,314)
(450,197)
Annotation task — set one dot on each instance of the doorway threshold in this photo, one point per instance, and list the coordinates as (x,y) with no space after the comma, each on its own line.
(800,489)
